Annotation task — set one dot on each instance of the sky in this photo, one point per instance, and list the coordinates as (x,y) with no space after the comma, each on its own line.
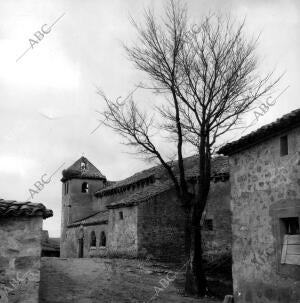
(48,98)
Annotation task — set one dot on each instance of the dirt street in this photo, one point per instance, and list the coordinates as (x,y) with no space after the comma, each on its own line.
(111,281)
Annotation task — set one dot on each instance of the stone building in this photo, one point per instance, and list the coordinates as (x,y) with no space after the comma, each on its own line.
(139,216)
(265,204)
(50,246)
(20,250)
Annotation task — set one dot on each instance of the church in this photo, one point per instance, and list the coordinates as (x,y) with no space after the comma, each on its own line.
(139,216)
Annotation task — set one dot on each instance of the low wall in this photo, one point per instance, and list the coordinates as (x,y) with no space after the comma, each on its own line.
(20,250)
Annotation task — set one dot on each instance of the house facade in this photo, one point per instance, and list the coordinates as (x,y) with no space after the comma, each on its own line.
(139,216)
(20,250)
(265,205)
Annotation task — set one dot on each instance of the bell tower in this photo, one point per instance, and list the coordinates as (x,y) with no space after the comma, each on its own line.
(79,183)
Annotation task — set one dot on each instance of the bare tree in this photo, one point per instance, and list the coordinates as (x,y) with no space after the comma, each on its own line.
(208,74)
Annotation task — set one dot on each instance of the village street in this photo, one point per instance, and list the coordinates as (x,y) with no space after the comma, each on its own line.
(109,281)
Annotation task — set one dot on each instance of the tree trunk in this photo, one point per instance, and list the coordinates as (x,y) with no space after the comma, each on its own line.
(195,283)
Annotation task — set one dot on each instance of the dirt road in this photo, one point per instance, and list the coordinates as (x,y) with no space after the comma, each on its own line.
(110,281)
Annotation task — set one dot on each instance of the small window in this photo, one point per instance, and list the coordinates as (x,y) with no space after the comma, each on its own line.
(83,166)
(102,239)
(290,253)
(284,150)
(285,228)
(121,217)
(208,224)
(93,239)
(290,225)
(85,187)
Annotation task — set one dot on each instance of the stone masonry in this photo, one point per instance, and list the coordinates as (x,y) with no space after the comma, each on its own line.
(20,250)
(265,204)
(139,216)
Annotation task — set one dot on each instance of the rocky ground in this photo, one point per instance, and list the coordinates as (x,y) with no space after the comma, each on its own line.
(112,281)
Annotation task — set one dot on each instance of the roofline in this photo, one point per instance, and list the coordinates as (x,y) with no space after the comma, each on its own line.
(137,202)
(78,174)
(111,188)
(63,179)
(110,191)
(13,208)
(129,204)
(96,222)
(87,217)
(227,151)
(255,138)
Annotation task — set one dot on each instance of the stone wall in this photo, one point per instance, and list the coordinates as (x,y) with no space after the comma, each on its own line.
(217,242)
(154,228)
(82,204)
(69,245)
(122,231)
(161,228)
(20,251)
(264,187)
(161,225)
(75,206)
(72,241)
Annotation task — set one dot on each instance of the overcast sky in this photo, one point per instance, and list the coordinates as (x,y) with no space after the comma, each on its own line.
(48,97)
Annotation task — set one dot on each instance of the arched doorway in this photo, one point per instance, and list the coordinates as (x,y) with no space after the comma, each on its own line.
(102,239)
(93,239)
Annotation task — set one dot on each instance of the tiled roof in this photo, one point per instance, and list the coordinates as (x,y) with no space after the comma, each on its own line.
(142,194)
(100,217)
(163,184)
(139,193)
(137,177)
(219,167)
(283,124)
(75,171)
(12,208)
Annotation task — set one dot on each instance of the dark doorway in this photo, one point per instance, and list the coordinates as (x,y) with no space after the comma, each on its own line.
(80,250)
(102,239)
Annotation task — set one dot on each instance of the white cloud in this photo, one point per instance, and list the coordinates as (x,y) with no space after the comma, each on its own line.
(16,165)
(43,67)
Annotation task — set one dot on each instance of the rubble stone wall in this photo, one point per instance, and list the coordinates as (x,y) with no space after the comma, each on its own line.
(161,228)
(122,231)
(264,188)
(161,225)
(217,242)
(20,251)
(75,206)
(73,234)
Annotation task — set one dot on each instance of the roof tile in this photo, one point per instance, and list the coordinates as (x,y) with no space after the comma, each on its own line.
(219,167)
(141,195)
(286,122)
(99,217)
(75,171)
(12,208)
